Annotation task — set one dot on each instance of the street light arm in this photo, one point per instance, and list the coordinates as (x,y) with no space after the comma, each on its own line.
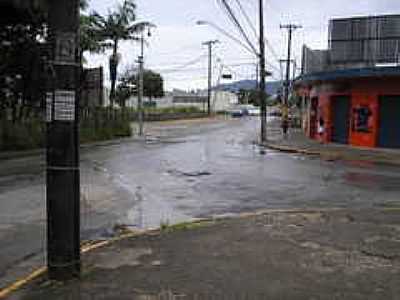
(224,32)
(141,26)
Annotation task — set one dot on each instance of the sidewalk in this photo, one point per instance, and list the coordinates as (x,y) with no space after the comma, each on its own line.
(333,254)
(297,142)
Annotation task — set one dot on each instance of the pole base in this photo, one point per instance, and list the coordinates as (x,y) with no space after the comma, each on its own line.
(65,272)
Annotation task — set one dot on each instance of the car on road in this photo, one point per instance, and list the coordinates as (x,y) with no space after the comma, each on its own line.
(254,111)
(236,113)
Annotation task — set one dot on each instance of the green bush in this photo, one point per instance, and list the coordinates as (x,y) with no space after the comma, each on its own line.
(21,136)
(30,134)
(101,128)
(97,125)
(174,110)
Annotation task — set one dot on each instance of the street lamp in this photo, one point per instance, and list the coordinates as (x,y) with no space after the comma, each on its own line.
(141,74)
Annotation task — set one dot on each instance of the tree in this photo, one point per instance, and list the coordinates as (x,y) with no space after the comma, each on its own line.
(90,40)
(115,27)
(21,62)
(23,53)
(153,86)
(89,36)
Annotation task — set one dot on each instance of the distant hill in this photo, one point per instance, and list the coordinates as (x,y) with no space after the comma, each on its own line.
(271,88)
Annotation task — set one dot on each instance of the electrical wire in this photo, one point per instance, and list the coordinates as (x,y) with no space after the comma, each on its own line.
(231,15)
(246,16)
(183,66)
(232,37)
(235,21)
(273,52)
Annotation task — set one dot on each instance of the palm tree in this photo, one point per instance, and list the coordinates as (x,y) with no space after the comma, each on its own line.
(118,25)
(89,38)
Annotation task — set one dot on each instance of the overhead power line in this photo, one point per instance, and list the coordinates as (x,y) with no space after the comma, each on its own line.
(236,22)
(183,66)
(246,16)
(227,8)
(273,52)
(226,33)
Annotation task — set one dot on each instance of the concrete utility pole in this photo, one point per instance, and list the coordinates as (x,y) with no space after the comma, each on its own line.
(210,45)
(284,62)
(257,75)
(63,182)
(141,85)
(262,75)
(291,28)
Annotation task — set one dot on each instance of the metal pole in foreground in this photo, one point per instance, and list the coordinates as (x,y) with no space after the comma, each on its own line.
(257,75)
(141,87)
(63,187)
(262,75)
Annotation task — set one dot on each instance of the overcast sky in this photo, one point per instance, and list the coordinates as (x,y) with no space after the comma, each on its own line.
(178,40)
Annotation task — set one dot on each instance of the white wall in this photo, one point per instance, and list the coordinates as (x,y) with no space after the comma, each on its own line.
(220,101)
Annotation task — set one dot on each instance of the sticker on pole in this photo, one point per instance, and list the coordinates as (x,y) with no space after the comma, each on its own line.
(49,107)
(64,106)
(65,47)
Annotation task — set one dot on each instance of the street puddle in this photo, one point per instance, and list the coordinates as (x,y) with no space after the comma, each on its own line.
(189,174)
(122,257)
(369,180)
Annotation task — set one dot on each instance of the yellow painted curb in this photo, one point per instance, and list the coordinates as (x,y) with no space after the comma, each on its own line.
(41,271)
(20,283)
(89,246)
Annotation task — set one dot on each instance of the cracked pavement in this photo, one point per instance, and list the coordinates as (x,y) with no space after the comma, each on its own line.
(185,170)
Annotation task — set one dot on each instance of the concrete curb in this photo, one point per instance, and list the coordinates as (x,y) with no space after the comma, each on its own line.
(330,155)
(93,245)
(21,154)
(42,151)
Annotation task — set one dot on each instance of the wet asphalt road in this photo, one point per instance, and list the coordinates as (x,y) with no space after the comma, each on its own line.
(192,171)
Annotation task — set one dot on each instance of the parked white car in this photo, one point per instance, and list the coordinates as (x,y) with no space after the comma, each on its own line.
(254,111)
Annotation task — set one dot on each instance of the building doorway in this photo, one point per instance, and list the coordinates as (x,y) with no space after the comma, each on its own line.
(313,117)
(340,119)
(389,122)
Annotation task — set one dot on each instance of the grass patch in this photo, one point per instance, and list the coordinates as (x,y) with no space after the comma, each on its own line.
(165,227)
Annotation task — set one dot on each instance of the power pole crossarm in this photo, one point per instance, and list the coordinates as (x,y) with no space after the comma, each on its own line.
(291,28)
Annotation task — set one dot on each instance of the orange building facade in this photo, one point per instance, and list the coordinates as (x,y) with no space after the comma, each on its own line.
(360,107)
